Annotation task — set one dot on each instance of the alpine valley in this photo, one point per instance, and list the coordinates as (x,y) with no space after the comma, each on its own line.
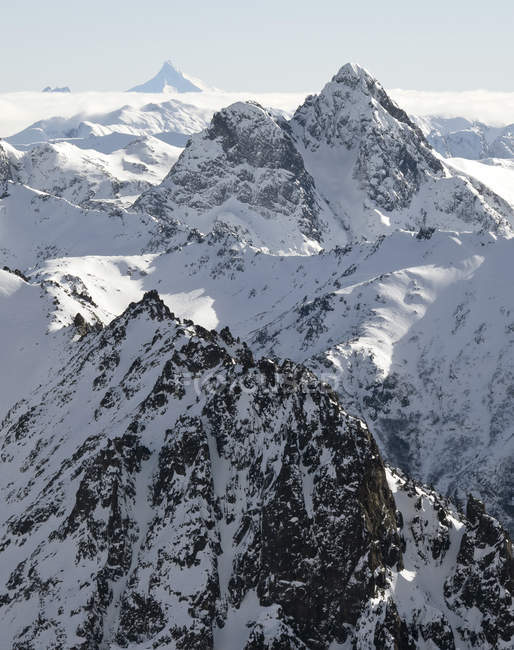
(257,386)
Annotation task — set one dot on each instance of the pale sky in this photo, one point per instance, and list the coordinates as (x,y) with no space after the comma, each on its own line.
(269,45)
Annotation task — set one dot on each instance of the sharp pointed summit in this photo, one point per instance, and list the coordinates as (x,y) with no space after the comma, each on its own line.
(171,78)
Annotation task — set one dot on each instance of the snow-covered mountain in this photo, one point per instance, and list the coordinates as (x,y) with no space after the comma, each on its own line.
(211,500)
(103,159)
(461,138)
(153,468)
(169,78)
(172,120)
(376,170)
(88,177)
(107,159)
(388,324)
(349,165)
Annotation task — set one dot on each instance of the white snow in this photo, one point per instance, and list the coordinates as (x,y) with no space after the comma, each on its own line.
(496,173)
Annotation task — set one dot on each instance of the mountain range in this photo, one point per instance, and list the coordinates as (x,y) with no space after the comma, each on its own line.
(461,138)
(260,379)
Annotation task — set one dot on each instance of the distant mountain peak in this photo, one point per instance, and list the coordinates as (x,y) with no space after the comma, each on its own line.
(56,89)
(168,77)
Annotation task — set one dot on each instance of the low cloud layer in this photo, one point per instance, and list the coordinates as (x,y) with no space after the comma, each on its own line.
(494,108)
(19,110)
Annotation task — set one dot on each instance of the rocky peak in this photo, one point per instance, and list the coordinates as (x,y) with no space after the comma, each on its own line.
(356,77)
(150,304)
(354,110)
(246,171)
(252,135)
(375,168)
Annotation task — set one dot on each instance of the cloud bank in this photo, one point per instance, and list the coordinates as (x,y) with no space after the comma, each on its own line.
(494,108)
(19,110)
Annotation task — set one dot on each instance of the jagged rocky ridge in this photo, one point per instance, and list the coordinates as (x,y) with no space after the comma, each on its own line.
(166,489)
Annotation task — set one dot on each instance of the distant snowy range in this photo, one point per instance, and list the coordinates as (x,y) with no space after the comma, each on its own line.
(256,368)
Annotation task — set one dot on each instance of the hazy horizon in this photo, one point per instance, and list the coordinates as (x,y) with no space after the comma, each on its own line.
(288,46)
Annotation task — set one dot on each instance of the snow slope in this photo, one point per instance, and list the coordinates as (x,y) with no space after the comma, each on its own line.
(496,173)
(31,343)
(35,226)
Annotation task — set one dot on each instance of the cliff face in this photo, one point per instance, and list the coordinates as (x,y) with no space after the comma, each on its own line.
(5,171)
